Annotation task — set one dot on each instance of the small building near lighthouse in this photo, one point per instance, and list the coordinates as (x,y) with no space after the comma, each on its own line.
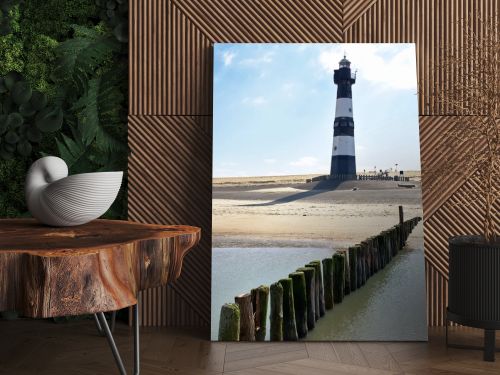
(343,163)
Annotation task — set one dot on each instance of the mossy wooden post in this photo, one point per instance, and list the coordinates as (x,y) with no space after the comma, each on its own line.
(289,324)
(300,302)
(229,322)
(276,316)
(320,292)
(375,257)
(310,276)
(347,276)
(398,236)
(408,230)
(365,262)
(381,250)
(247,323)
(395,244)
(369,271)
(260,301)
(370,256)
(366,270)
(338,278)
(360,266)
(388,247)
(328,282)
(353,265)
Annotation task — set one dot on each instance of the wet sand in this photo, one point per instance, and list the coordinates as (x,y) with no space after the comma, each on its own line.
(278,214)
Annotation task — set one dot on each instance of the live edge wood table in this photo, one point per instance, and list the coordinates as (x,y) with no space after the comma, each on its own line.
(89,269)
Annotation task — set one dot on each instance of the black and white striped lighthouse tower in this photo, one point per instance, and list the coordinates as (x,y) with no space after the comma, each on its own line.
(343,157)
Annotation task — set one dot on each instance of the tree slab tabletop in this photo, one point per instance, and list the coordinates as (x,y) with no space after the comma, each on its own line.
(100,266)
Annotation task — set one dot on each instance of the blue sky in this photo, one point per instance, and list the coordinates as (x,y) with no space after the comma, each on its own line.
(274,107)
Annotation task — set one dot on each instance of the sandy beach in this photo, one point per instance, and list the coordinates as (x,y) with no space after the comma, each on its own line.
(281,212)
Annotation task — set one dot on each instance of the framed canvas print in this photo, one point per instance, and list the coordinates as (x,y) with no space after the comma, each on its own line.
(316,195)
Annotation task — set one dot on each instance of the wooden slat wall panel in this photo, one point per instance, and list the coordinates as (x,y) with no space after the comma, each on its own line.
(172,184)
(171,106)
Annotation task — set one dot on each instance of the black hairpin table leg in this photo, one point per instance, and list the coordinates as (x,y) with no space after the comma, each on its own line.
(113,323)
(102,325)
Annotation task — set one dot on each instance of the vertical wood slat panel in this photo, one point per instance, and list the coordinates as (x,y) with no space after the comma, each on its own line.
(171,74)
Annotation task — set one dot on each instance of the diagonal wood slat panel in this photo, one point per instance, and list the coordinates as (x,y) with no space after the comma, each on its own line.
(172,184)
(266,21)
(457,216)
(352,10)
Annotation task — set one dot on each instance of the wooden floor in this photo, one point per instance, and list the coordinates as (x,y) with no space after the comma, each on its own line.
(42,347)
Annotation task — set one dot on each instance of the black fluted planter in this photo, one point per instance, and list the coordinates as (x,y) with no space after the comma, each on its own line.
(474,286)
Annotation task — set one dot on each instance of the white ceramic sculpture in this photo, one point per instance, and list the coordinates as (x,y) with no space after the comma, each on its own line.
(56,199)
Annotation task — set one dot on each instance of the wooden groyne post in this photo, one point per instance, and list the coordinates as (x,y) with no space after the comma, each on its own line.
(289,324)
(353,267)
(320,292)
(260,301)
(300,302)
(310,276)
(347,276)
(328,282)
(338,278)
(247,323)
(276,315)
(229,322)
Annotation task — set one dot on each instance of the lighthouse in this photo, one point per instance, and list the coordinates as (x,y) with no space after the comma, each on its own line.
(343,157)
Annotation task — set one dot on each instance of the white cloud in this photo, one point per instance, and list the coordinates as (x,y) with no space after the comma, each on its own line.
(306,161)
(265,58)
(270,161)
(395,72)
(228,57)
(256,101)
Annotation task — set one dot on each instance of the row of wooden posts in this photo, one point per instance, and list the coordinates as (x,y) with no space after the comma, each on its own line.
(299,300)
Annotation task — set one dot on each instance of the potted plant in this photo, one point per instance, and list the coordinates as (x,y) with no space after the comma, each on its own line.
(469,94)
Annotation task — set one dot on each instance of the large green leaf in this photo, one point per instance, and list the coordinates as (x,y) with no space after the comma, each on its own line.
(38,100)
(80,56)
(14,120)
(11,78)
(75,153)
(24,148)
(4,123)
(49,119)
(98,114)
(21,92)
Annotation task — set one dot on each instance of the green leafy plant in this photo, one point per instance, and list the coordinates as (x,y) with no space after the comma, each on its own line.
(24,116)
(115,13)
(6,7)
